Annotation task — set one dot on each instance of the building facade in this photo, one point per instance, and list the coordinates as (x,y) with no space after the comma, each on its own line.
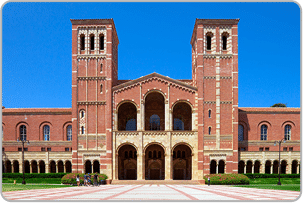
(153,127)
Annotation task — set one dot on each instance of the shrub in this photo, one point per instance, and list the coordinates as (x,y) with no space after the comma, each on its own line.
(227,179)
(71,178)
(33,175)
(262,175)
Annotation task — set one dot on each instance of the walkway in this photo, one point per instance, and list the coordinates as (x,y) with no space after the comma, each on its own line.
(152,192)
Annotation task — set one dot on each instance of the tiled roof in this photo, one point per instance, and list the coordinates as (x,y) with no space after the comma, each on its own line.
(268,109)
(36,111)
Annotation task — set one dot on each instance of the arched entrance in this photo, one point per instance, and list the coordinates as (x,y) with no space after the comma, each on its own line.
(267,167)
(276,167)
(294,167)
(34,166)
(213,167)
(68,167)
(16,166)
(182,162)
(52,167)
(154,111)
(127,117)
(249,167)
(26,167)
(154,162)
(241,165)
(88,166)
(127,163)
(60,167)
(283,167)
(257,167)
(8,166)
(96,166)
(221,167)
(182,116)
(42,166)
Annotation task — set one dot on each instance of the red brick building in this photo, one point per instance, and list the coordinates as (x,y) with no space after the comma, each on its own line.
(153,127)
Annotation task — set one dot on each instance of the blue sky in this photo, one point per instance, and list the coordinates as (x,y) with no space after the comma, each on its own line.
(154,37)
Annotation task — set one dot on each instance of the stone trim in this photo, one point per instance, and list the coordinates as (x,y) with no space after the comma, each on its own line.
(91,103)
(91,78)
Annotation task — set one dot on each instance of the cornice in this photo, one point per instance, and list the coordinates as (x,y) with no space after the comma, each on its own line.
(91,56)
(91,102)
(91,78)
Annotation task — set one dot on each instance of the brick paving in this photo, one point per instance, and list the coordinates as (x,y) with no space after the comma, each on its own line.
(152,192)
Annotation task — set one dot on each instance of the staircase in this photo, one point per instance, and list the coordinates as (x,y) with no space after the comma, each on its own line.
(156,182)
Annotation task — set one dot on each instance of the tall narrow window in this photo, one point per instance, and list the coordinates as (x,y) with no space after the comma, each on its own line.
(209,113)
(69,133)
(23,132)
(208,41)
(82,42)
(46,132)
(82,114)
(209,130)
(101,89)
(82,130)
(92,42)
(101,67)
(224,42)
(101,42)
(264,132)
(287,134)
(240,133)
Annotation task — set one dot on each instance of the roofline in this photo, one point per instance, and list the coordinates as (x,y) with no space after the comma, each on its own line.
(91,21)
(27,111)
(269,110)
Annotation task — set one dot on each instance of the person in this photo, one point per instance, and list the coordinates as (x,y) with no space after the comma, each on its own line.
(96,179)
(78,180)
(208,181)
(88,179)
(85,179)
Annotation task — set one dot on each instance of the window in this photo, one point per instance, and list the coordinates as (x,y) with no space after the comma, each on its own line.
(154,121)
(101,89)
(284,149)
(82,130)
(159,154)
(49,149)
(131,154)
(92,42)
(42,149)
(224,42)
(101,42)
(261,149)
(287,133)
(240,133)
(82,42)
(209,130)
(82,114)
(101,67)
(46,132)
(19,149)
(264,132)
(69,133)
(209,113)
(23,133)
(267,149)
(242,149)
(66,149)
(208,41)
(25,149)
(291,149)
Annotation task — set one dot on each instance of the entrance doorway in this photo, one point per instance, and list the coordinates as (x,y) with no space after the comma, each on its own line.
(154,163)
(127,163)
(182,162)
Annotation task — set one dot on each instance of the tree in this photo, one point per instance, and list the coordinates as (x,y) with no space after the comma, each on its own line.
(279,105)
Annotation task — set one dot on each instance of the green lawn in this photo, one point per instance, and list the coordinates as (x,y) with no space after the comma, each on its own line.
(33,180)
(13,187)
(271,183)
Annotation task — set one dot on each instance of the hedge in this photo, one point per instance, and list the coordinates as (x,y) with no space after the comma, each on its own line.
(227,179)
(33,175)
(71,178)
(262,175)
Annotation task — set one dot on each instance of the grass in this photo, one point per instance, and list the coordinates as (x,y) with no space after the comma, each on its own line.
(13,187)
(33,180)
(292,184)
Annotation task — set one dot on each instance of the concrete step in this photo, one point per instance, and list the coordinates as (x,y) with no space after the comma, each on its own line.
(156,182)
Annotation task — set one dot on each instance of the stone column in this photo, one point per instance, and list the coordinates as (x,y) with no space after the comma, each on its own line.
(244,168)
(253,168)
(140,158)
(64,169)
(167,116)
(271,168)
(30,167)
(38,168)
(142,112)
(46,168)
(168,164)
(217,168)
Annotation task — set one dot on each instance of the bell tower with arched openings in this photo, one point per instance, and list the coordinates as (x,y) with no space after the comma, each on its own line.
(215,74)
(94,73)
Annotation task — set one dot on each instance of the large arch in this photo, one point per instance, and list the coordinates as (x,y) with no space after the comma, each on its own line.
(96,166)
(182,162)
(249,166)
(68,167)
(127,162)
(42,166)
(154,162)
(241,165)
(275,167)
(88,166)
(8,166)
(60,166)
(26,167)
(221,166)
(154,111)
(268,167)
(52,167)
(257,167)
(127,116)
(294,166)
(182,116)
(283,166)
(16,166)
(34,166)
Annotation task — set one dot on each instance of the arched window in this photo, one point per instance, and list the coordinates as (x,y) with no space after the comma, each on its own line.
(101,67)
(101,39)
(287,134)
(82,42)
(150,154)
(208,41)
(224,42)
(159,154)
(131,154)
(82,130)
(240,133)
(23,133)
(69,133)
(154,122)
(154,154)
(264,132)
(82,114)
(209,130)
(92,42)
(131,125)
(101,88)
(209,113)
(46,132)
(126,154)
(178,124)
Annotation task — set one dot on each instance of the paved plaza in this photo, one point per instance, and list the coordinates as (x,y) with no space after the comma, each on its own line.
(152,192)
